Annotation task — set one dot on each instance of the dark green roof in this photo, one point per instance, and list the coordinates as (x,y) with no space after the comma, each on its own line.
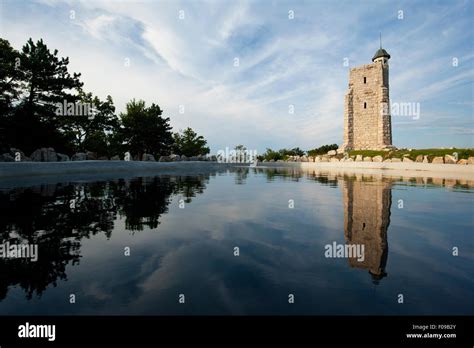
(380,53)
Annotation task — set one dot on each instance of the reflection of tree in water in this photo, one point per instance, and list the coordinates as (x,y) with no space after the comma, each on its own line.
(57,217)
(241,175)
(281,174)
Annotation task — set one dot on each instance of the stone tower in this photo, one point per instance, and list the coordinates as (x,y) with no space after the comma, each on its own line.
(367,121)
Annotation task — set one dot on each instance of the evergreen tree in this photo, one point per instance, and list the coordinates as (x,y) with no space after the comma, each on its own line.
(189,143)
(144,130)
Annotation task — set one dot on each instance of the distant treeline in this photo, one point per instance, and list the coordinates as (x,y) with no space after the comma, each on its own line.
(283,154)
(42,104)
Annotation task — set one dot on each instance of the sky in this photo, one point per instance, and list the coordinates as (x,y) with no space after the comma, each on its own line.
(265,74)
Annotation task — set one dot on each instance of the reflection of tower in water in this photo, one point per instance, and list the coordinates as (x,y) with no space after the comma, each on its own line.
(366,220)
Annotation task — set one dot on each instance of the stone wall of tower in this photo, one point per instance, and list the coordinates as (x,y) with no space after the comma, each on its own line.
(367,121)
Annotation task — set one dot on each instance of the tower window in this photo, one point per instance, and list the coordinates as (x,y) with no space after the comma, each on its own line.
(365,79)
(365,105)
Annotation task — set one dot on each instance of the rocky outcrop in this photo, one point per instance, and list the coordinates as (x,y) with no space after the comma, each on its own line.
(377,159)
(175,158)
(18,155)
(359,158)
(438,160)
(150,158)
(332,153)
(367,159)
(103,158)
(91,156)
(80,156)
(6,157)
(185,158)
(396,159)
(463,162)
(407,160)
(426,159)
(165,159)
(419,159)
(470,160)
(449,159)
(44,155)
(115,158)
(62,157)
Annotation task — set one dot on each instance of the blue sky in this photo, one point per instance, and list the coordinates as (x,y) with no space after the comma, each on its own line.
(190,62)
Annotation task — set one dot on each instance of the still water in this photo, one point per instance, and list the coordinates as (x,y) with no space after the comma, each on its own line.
(240,241)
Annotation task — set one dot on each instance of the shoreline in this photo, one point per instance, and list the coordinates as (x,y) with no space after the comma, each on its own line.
(18,170)
(396,169)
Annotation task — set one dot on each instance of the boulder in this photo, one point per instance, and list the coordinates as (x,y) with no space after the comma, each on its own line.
(340,151)
(438,160)
(462,161)
(470,160)
(44,155)
(350,159)
(15,152)
(103,158)
(426,159)
(80,156)
(407,159)
(272,160)
(367,159)
(419,159)
(304,159)
(333,159)
(264,161)
(317,159)
(310,159)
(377,159)
(359,158)
(150,158)
(332,153)
(449,159)
(185,158)
(6,157)
(395,159)
(175,158)
(324,159)
(388,160)
(193,158)
(165,159)
(91,156)
(62,157)
(115,158)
